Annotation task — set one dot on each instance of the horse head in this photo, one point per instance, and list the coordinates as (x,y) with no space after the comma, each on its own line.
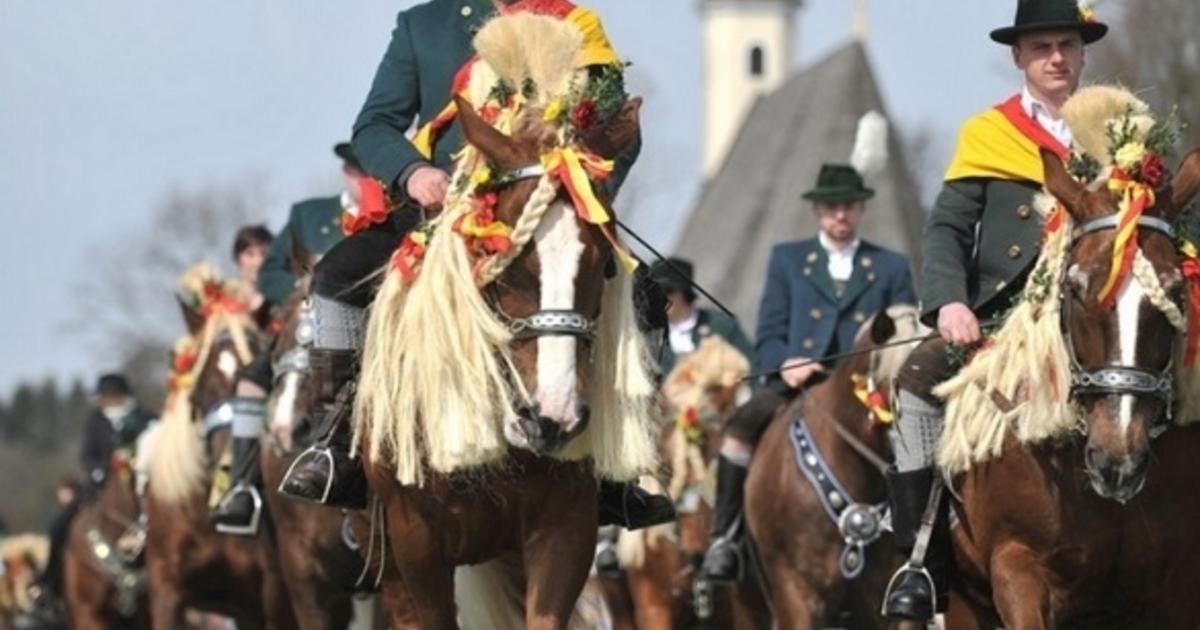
(1122,330)
(552,290)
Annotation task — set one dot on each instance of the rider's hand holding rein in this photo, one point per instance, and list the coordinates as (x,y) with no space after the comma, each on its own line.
(957,324)
(796,377)
(427,186)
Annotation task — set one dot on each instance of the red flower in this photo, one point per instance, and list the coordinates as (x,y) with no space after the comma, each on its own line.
(184,363)
(585,115)
(1152,170)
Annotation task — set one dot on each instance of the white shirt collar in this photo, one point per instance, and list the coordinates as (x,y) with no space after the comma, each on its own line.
(348,204)
(841,262)
(680,333)
(1040,113)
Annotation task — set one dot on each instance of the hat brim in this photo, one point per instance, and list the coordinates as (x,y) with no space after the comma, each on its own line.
(836,195)
(1091,31)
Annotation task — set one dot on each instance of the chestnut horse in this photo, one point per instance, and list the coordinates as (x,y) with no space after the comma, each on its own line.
(1095,529)
(801,549)
(190,564)
(104,566)
(660,586)
(549,285)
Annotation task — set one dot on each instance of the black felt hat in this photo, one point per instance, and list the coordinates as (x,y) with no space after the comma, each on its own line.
(839,183)
(674,274)
(1048,15)
(345,151)
(113,385)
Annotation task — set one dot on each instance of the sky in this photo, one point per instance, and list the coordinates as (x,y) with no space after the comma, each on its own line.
(106,107)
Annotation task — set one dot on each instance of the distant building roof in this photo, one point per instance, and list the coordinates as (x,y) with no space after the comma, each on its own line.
(753,202)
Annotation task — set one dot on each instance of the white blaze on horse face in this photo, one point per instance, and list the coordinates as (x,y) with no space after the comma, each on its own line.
(1129,306)
(559,250)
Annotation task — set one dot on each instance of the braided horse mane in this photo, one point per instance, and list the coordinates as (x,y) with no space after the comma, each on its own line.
(177,462)
(439,382)
(1020,380)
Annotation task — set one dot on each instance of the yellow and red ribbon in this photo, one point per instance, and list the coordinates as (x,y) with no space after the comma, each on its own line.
(1135,198)
(873,399)
(576,170)
(372,207)
(688,422)
(1190,268)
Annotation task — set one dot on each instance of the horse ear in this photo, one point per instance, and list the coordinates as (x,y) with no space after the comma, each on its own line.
(495,146)
(883,328)
(1186,184)
(620,133)
(1059,182)
(302,259)
(193,319)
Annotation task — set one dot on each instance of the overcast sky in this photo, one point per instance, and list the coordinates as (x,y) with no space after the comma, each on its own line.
(107,106)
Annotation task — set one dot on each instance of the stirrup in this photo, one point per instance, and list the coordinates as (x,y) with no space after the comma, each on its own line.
(317,453)
(251,528)
(909,567)
(726,544)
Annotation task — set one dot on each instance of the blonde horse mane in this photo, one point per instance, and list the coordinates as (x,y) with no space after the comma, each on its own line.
(1020,381)
(438,381)
(178,465)
(886,363)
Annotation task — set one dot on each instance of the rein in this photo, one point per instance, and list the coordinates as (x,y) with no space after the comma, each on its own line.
(1116,380)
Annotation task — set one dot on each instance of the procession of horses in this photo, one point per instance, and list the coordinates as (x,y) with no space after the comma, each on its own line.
(505,372)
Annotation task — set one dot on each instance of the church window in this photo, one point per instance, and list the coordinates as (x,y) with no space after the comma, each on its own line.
(757,66)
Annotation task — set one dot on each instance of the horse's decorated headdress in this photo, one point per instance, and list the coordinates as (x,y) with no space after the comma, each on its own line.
(1020,379)
(438,379)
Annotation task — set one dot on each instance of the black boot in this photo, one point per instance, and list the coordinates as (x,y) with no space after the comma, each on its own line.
(723,562)
(240,508)
(325,473)
(917,593)
(631,507)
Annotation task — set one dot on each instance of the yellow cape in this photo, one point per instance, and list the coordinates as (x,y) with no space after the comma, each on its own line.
(990,146)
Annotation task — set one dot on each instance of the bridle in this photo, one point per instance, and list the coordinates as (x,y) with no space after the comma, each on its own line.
(546,322)
(1115,380)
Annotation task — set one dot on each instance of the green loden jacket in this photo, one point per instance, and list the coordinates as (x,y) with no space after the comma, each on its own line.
(430,43)
(708,323)
(314,223)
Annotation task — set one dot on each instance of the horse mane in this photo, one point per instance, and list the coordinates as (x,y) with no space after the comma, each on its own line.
(887,362)
(438,379)
(1020,380)
(177,462)
(33,548)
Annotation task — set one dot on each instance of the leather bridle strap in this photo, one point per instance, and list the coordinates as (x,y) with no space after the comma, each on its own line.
(552,323)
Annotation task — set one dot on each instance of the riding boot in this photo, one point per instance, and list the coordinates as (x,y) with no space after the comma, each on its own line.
(240,509)
(630,506)
(326,473)
(917,591)
(723,562)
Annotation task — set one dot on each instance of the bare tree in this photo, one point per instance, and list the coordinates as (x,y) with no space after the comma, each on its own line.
(126,299)
(1154,48)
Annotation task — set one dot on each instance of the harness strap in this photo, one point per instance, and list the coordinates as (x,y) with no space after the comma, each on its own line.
(1110,223)
(552,322)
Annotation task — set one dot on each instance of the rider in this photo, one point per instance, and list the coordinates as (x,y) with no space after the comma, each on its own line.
(315,225)
(688,324)
(250,246)
(818,294)
(430,43)
(114,424)
(980,242)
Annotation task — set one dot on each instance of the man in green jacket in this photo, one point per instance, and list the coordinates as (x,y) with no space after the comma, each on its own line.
(430,44)
(980,243)
(690,325)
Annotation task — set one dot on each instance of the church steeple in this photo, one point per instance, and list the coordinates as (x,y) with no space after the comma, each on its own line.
(748,46)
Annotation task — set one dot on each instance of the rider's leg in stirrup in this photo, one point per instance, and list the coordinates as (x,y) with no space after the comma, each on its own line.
(239,510)
(326,473)
(918,589)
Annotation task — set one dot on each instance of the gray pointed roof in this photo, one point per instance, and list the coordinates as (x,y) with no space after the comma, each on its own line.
(753,202)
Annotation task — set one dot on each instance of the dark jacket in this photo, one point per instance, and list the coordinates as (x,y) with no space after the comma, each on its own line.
(708,324)
(801,313)
(980,240)
(314,223)
(430,43)
(101,439)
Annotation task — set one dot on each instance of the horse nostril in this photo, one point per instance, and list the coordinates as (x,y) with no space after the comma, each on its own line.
(583,412)
(1092,456)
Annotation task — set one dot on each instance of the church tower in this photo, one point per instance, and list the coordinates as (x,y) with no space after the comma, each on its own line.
(747,52)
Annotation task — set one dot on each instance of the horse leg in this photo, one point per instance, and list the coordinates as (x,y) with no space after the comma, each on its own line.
(1020,592)
(797,604)
(166,606)
(558,557)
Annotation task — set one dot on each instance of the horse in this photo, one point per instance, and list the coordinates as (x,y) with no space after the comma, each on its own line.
(660,586)
(22,559)
(317,549)
(1070,516)
(813,575)
(189,564)
(523,313)
(104,564)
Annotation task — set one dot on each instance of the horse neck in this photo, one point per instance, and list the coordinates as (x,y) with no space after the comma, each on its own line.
(834,402)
